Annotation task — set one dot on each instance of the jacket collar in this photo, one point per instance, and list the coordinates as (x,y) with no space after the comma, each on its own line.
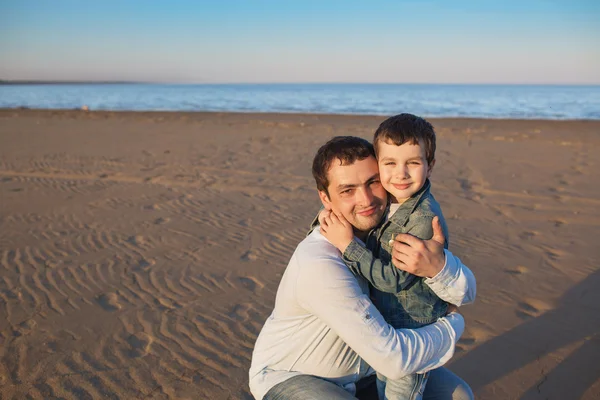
(400,217)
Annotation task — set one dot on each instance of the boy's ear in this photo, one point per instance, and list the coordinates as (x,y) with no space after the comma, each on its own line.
(430,168)
(325,199)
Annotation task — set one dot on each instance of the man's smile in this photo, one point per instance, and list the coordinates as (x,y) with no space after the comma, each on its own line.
(367,211)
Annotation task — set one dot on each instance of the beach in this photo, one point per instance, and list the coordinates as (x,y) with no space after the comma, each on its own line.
(140,252)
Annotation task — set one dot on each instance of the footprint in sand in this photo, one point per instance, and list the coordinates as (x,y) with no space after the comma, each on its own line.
(140,343)
(160,221)
(554,254)
(137,240)
(528,234)
(109,301)
(518,270)
(250,255)
(251,283)
(166,303)
(472,337)
(13,294)
(531,308)
(25,328)
(144,264)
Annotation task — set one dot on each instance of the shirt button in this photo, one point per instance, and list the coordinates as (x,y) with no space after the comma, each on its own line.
(368,316)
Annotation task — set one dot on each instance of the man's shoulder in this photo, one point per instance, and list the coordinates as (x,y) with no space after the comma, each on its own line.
(316,252)
(316,246)
(318,265)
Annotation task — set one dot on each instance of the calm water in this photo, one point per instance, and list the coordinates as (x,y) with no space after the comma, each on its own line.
(487,101)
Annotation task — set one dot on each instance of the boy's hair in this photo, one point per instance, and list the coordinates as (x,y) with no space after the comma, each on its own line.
(346,149)
(407,128)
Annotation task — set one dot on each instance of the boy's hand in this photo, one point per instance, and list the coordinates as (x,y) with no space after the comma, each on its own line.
(423,258)
(324,213)
(337,230)
(451,308)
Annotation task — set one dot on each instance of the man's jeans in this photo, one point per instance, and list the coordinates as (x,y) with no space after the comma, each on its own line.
(409,387)
(441,385)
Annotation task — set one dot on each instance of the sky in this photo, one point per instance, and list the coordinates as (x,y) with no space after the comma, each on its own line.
(264,41)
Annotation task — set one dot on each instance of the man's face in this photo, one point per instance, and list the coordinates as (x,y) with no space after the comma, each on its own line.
(355,191)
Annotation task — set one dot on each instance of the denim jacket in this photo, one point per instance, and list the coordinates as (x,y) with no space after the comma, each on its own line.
(404,300)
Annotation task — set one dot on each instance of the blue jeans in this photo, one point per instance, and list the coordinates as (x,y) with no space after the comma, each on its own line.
(442,384)
(409,387)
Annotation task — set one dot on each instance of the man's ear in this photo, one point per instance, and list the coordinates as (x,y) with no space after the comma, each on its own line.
(430,168)
(325,199)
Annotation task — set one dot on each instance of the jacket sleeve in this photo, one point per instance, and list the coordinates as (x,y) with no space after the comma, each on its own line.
(383,276)
(327,289)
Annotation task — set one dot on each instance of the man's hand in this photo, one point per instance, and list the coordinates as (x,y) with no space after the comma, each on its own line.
(423,258)
(337,230)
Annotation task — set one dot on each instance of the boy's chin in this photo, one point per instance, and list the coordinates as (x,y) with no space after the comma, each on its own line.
(400,197)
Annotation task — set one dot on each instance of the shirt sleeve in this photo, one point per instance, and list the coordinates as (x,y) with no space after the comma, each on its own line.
(327,289)
(383,276)
(455,283)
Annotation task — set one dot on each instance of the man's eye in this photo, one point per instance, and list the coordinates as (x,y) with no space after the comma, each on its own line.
(347,191)
(375,183)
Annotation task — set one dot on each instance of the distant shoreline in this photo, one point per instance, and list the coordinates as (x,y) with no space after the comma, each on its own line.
(481,84)
(287,116)
(72,83)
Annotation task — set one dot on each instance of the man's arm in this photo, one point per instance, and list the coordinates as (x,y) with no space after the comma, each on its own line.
(327,289)
(455,283)
(446,275)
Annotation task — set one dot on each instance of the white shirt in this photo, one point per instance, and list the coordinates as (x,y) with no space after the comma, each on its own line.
(324,324)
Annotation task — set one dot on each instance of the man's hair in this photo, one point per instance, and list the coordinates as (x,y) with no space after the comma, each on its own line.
(345,149)
(406,128)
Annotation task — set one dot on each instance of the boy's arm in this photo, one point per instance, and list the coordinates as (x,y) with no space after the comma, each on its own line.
(422,228)
(383,276)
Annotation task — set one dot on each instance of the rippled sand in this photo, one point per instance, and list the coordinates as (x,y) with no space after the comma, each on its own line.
(140,252)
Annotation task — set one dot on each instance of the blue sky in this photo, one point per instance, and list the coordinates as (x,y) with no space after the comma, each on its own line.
(526,41)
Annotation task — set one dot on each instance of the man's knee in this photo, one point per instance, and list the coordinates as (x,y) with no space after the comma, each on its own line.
(463,392)
(443,384)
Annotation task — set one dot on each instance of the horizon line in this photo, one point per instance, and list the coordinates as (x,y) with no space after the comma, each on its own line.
(128,82)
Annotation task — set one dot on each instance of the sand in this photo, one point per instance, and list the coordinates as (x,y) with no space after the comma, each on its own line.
(140,253)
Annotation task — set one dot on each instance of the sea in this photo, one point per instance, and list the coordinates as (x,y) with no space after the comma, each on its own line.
(428,100)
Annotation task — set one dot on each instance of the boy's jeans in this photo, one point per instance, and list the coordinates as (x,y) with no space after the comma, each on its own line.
(441,385)
(409,387)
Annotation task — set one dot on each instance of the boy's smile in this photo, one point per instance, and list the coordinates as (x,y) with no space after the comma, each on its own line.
(403,169)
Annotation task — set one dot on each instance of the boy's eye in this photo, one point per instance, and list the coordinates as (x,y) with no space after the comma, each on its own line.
(391,163)
(415,163)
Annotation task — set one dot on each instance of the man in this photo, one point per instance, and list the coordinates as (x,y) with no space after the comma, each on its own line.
(324,334)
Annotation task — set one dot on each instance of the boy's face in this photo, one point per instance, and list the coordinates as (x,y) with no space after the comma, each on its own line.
(403,169)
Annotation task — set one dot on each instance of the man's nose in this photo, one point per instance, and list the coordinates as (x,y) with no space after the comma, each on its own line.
(365,196)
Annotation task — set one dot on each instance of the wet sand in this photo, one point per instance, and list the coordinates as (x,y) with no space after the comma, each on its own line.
(140,252)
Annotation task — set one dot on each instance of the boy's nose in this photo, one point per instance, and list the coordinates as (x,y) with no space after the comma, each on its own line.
(404,172)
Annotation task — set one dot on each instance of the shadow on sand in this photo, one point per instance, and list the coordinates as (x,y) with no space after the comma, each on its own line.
(539,336)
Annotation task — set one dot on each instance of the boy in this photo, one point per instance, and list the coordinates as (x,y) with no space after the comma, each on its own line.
(405,149)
